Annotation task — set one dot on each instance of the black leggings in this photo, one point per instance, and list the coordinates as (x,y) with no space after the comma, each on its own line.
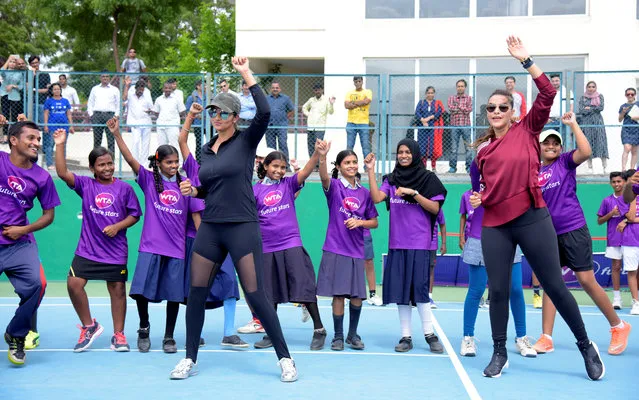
(534,233)
(212,244)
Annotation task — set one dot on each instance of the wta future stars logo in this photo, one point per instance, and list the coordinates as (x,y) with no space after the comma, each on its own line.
(544,177)
(104,200)
(351,203)
(17,184)
(272,198)
(169,197)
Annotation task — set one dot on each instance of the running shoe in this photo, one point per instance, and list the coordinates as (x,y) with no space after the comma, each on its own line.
(185,368)
(265,343)
(169,346)
(16,354)
(616,303)
(433,305)
(537,302)
(289,372)
(524,347)
(405,344)
(619,339)
(32,340)
(482,302)
(319,337)
(234,341)
(119,343)
(468,347)
(594,366)
(635,308)
(253,326)
(498,363)
(375,300)
(434,343)
(305,314)
(544,345)
(87,335)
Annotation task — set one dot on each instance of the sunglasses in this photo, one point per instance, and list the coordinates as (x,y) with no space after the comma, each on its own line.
(502,107)
(223,115)
(630,94)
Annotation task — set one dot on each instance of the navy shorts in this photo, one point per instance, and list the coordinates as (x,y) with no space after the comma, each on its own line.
(575,249)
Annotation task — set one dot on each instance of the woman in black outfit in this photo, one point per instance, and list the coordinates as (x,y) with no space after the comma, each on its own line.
(230,223)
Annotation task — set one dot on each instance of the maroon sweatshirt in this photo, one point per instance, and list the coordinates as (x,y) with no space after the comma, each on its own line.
(509,165)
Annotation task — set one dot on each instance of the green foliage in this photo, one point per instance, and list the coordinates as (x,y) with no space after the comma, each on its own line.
(25,30)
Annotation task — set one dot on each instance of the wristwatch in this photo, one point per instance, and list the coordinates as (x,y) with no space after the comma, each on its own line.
(415,193)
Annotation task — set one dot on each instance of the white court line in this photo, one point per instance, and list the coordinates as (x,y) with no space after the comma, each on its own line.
(459,368)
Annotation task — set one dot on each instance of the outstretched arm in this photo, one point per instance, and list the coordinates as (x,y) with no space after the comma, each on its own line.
(183,139)
(303,175)
(60,138)
(584,151)
(376,195)
(322,148)
(114,126)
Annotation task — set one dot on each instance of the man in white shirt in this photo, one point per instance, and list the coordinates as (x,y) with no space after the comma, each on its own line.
(224,87)
(103,104)
(169,110)
(316,110)
(68,92)
(177,92)
(138,102)
(133,65)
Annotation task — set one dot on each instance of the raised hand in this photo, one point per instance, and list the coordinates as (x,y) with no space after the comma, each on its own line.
(475,199)
(21,117)
(516,48)
(322,147)
(331,100)
(3,120)
(59,136)
(569,118)
(294,164)
(114,126)
(127,81)
(196,108)
(241,64)
(186,188)
(369,162)
(634,179)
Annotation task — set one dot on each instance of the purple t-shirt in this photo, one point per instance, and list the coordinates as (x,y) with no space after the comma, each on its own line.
(630,236)
(164,229)
(558,183)
(18,188)
(191,167)
(613,236)
(344,203)
(440,221)
(465,208)
(104,205)
(409,226)
(276,212)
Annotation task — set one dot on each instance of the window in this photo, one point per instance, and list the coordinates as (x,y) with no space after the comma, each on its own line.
(502,8)
(444,9)
(390,9)
(559,7)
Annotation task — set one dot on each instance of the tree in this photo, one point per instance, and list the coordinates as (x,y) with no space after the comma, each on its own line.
(217,38)
(26,30)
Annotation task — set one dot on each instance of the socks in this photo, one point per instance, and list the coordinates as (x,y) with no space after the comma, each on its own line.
(143,311)
(536,290)
(313,310)
(430,295)
(405,314)
(229,316)
(353,312)
(338,324)
(617,294)
(427,318)
(172,310)
(620,325)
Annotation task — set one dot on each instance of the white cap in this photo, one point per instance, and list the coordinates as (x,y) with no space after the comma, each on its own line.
(550,132)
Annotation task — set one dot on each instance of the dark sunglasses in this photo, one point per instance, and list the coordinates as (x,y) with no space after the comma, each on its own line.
(630,94)
(219,113)
(502,107)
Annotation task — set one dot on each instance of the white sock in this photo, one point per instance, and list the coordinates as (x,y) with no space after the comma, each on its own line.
(405,314)
(620,325)
(617,294)
(548,336)
(427,317)
(430,295)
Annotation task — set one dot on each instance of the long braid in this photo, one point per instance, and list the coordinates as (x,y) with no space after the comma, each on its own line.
(159,186)
(178,178)
(334,172)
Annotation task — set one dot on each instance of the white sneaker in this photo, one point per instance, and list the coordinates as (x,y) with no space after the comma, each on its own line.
(635,307)
(305,314)
(468,348)
(252,327)
(375,300)
(185,368)
(524,347)
(289,372)
(433,305)
(617,304)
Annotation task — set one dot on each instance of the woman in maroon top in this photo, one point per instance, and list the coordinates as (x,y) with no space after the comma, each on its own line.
(516,214)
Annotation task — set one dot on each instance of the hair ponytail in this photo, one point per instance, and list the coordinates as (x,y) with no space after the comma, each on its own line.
(153,164)
(335,171)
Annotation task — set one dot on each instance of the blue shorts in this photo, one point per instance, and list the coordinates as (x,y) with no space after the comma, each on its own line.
(369,254)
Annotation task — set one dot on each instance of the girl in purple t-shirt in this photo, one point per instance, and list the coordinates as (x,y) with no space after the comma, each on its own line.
(414,197)
(289,275)
(341,272)
(557,180)
(160,272)
(109,208)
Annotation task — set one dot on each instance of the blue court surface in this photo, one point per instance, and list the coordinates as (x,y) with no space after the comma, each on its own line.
(53,371)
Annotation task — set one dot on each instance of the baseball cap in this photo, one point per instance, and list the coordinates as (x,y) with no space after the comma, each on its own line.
(227,102)
(550,132)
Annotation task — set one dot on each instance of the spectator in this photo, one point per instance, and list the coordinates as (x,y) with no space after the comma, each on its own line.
(591,104)
(178,93)
(196,97)
(357,103)
(630,130)
(519,105)
(248,109)
(138,102)
(68,92)
(460,106)
(42,88)
(427,112)
(224,87)
(133,65)
(21,64)
(13,83)
(316,109)
(57,115)
(281,110)
(169,109)
(556,110)
(103,104)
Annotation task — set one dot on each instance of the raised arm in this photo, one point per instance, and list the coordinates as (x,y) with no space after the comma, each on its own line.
(376,195)
(584,151)
(305,172)
(183,139)
(628,191)
(60,138)
(114,126)
(322,148)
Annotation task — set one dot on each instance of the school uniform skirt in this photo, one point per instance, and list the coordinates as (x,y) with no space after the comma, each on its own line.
(224,285)
(289,276)
(158,278)
(406,277)
(341,276)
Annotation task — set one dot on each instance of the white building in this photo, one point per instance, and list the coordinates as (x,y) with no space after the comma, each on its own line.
(460,37)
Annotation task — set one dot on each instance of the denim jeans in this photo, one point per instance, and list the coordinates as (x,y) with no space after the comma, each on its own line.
(364,137)
(464,133)
(280,135)
(48,143)
(311,136)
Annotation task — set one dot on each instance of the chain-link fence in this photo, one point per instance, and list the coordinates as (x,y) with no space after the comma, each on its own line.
(14,86)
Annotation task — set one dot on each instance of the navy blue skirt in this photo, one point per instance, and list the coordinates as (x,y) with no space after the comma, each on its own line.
(341,276)
(224,285)
(289,276)
(406,277)
(158,278)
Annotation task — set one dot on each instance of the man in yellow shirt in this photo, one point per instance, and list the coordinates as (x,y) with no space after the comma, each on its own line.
(357,103)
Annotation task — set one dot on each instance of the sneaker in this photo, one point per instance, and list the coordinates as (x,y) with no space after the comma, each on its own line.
(144,342)
(253,326)
(119,343)
(202,342)
(87,335)
(355,342)
(617,304)
(544,345)
(32,340)
(434,343)
(16,353)
(482,302)
(234,341)
(289,372)
(168,345)
(635,308)
(594,366)
(487,304)
(497,364)
(452,170)
(185,368)
(537,301)
(375,300)
(405,344)
(265,343)
(337,344)
(524,347)
(305,314)
(619,339)
(433,305)
(468,348)
(319,337)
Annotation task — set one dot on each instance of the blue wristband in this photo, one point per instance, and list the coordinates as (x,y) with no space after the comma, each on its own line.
(527,63)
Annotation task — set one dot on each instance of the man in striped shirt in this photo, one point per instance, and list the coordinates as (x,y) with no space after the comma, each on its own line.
(460,106)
